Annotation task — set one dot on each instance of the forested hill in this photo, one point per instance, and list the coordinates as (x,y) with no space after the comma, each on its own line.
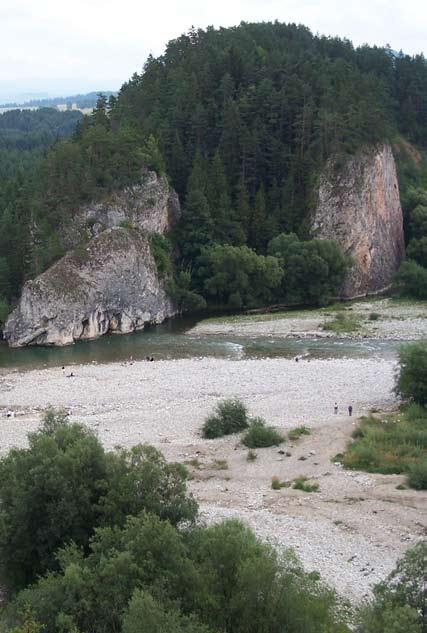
(26,134)
(242,120)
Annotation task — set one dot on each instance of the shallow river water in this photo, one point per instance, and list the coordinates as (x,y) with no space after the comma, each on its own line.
(174,340)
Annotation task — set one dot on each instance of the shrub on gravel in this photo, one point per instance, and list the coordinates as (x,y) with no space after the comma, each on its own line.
(296,433)
(230,416)
(417,477)
(412,381)
(393,445)
(261,436)
(302,483)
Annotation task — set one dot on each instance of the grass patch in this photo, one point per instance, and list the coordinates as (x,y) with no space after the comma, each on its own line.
(230,416)
(374,316)
(194,463)
(303,483)
(261,436)
(395,444)
(300,483)
(220,464)
(343,324)
(298,432)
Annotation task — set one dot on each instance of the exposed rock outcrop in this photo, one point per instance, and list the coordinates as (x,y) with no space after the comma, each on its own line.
(109,285)
(112,287)
(150,204)
(359,207)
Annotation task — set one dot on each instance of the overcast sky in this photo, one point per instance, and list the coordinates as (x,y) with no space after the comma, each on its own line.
(62,46)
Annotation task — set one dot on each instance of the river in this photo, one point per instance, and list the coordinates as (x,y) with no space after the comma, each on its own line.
(174,340)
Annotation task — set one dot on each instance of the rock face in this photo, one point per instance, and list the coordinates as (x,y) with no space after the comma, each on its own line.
(111,284)
(359,207)
(151,205)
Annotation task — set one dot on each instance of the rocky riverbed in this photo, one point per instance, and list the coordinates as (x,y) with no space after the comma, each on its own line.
(374,318)
(352,531)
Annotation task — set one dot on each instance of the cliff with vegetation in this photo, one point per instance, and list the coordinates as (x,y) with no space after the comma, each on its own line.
(109,283)
(359,207)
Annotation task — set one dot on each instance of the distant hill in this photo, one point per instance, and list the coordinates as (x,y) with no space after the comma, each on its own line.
(81,101)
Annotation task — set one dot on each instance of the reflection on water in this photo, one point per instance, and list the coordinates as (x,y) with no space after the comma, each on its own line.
(172,340)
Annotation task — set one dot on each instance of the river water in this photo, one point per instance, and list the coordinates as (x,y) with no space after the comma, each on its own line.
(173,340)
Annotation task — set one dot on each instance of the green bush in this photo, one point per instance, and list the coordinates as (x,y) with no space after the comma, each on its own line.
(230,416)
(394,445)
(161,251)
(417,476)
(261,436)
(302,483)
(298,432)
(374,316)
(342,324)
(399,601)
(65,485)
(411,280)
(412,380)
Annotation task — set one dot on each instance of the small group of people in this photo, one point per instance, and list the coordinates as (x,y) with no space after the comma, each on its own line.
(349,409)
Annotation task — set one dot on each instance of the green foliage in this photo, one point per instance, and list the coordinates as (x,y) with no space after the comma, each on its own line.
(66,485)
(417,476)
(298,432)
(411,280)
(147,615)
(399,603)
(259,435)
(313,270)
(412,380)
(179,288)
(417,250)
(161,251)
(152,156)
(149,576)
(397,444)
(236,276)
(342,324)
(303,483)
(4,310)
(230,416)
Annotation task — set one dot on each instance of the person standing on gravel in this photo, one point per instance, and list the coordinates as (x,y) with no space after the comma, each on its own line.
(335,408)
(350,410)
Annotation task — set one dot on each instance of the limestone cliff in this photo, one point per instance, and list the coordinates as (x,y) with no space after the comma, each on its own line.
(359,207)
(109,285)
(150,204)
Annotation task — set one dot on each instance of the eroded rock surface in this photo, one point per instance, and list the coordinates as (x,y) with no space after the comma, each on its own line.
(110,282)
(150,204)
(112,286)
(359,207)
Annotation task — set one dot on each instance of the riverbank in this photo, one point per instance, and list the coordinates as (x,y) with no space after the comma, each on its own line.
(373,318)
(352,531)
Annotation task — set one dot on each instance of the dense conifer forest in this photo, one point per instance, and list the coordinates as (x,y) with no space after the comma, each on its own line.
(242,121)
